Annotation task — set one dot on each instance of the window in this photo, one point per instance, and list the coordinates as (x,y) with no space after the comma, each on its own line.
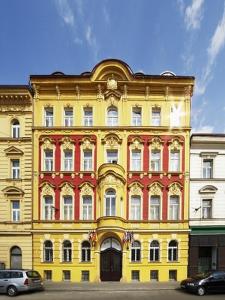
(48,251)
(15,168)
(49,117)
(47,274)
(207,168)
(112,156)
(15,210)
(15,129)
(207,208)
(68,160)
(135,251)
(86,251)
(156,116)
(112,116)
(172,275)
(85,276)
(68,117)
(136,116)
(88,116)
(67,251)
(154,251)
(87,207)
(66,275)
(48,160)
(173,251)
(48,208)
(110,203)
(174,208)
(136,160)
(175,161)
(87,162)
(15,258)
(67,208)
(135,275)
(155,160)
(135,208)
(175,114)
(154,275)
(155,208)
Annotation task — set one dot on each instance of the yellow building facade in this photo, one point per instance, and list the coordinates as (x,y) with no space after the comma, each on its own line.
(111,175)
(16,177)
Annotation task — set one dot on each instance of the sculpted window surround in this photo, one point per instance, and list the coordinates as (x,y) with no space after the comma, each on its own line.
(136,155)
(67,202)
(175,155)
(112,116)
(15,129)
(135,192)
(47,202)
(67,155)
(155,201)
(156,154)
(48,155)
(86,201)
(175,201)
(110,202)
(87,148)
(112,144)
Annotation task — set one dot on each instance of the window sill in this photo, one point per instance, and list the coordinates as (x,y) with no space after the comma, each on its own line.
(154,262)
(14,179)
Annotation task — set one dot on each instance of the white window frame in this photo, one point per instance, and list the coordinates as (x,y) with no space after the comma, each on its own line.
(51,253)
(68,119)
(210,207)
(209,170)
(154,248)
(51,208)
(15,129)
(155,121)
(86,207)
(159,207)
(135,207)
(89,160)
(135,248)
(174,205)
(136,120)
(49,160)
(115,158)
(66,252)
(70,161)
(67,207)
(15,212)
(110,204)
(172,249)
(86,250)
(48,119)
(132,167)
(15,170)
(171,165)
(159,160)
(112,120)
(88,119)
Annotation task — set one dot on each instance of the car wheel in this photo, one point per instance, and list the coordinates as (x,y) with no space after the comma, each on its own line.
(12,291)
(201,291)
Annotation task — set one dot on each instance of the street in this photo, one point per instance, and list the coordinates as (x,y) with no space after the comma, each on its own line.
(118,295)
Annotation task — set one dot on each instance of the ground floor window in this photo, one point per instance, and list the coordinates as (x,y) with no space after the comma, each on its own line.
(154,275)
(135,275)
(66,275)
(85,276)
(47,274)
(173,275)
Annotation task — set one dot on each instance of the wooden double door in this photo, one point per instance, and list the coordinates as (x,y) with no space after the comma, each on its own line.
(111,265)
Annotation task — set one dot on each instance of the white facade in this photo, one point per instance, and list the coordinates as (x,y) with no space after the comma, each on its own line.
(207,195)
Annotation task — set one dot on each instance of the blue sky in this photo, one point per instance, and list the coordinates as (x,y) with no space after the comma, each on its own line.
(184,36)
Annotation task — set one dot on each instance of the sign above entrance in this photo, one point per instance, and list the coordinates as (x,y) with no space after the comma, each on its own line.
(110,243)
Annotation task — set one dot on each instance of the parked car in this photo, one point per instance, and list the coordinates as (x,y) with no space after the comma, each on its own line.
(205,282)
(14,281)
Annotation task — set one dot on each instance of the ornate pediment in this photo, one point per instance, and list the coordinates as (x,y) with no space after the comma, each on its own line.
(13,151)
(47,189)
(155,188)
(67,143)
(87,143)
(12,190)
(86,188)
(47,143)
(208,189)
(136,188)
(111,140)
(67,188)
(175,144)
(175,188)
(156,143)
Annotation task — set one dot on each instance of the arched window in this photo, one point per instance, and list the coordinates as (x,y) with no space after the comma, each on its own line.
(86,251)
(112,116)
(15,258)
(48,251)
(67,251)
(15,129)
(136,251)
(154,251)
(110,203)
(173,251)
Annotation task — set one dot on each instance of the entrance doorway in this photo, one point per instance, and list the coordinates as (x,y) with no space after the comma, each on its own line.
(110,260)
(15,258)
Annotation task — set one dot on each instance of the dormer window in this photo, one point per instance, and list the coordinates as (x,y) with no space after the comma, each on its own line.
(15,129)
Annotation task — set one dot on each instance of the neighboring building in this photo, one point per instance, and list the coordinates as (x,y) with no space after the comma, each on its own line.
(16,176)
(207,205)
(111,174)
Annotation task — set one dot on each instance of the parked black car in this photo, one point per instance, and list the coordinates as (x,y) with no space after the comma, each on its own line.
(205,282)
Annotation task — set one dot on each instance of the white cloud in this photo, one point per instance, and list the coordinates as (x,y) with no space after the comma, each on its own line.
(217,43)
(106,15)
(181,6)
(65,12)
(91,40)
(194,14)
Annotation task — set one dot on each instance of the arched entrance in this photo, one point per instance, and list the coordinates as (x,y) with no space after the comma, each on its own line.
(15,258)
(111,260)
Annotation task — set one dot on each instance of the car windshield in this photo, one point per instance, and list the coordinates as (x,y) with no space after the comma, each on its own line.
(33,274)
(201,275)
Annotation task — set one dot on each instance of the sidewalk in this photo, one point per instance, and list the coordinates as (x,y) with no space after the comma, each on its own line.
(109,286)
